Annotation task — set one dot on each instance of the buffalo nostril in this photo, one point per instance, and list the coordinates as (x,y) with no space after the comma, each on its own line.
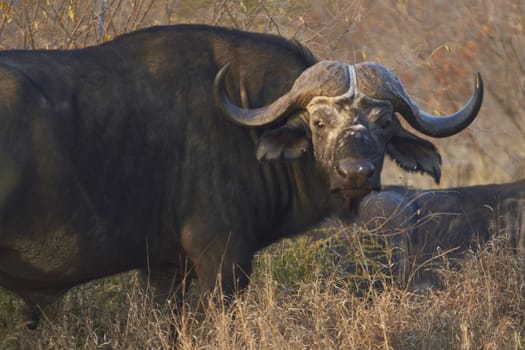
(357,171)
(366,169)
(344,169)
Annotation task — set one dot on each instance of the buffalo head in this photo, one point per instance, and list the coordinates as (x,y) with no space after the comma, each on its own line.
(347,115)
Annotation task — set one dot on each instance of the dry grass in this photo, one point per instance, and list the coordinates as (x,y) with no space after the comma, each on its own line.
(483,306)
(304,295)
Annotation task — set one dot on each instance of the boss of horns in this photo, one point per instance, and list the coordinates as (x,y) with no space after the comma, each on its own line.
(332,78)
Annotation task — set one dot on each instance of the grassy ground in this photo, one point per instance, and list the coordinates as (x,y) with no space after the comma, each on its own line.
(308,294)
(301,296)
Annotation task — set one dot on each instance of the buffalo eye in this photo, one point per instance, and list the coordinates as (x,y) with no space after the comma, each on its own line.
(319,124)
(384,122)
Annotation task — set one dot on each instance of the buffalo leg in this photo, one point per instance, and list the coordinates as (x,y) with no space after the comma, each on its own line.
(224,267)
(34,314)
(220,261)
(162,283)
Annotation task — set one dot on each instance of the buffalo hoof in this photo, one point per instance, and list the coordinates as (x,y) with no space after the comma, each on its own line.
(35,319)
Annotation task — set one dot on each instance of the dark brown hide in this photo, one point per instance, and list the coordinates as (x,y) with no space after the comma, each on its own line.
(419,225)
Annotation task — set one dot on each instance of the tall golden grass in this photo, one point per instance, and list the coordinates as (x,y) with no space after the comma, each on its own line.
(482,307)
(304,294)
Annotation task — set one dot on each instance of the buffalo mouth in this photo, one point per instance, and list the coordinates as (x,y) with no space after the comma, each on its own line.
(352,193)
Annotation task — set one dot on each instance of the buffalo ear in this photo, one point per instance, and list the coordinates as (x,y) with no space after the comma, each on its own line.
(285,143)
(415,154)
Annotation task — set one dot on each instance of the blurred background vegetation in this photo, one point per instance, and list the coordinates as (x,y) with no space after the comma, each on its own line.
(302,294)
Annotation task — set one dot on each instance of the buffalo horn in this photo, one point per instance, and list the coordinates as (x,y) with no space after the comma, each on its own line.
(446,125)
(326,78)
(378,82)
(247,117)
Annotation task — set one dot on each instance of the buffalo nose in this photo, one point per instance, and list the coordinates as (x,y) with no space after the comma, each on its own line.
(356,173)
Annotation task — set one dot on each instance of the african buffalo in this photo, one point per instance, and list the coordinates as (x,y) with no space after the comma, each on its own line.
(420,224)
(182,150)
